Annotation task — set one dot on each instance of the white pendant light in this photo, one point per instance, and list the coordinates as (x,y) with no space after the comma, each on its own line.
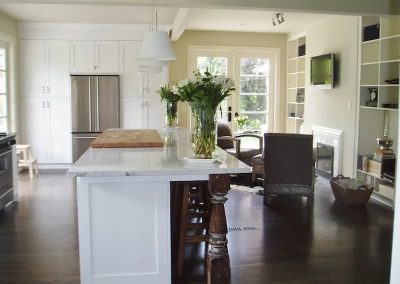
(156,45)
(151,66)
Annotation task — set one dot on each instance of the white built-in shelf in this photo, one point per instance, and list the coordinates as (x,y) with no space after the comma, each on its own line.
(379,108)
(376,176)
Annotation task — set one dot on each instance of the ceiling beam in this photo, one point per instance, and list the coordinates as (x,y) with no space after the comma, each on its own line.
(351,7)
(180,23)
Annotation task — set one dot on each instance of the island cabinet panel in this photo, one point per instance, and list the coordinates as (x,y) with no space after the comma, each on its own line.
(109,255)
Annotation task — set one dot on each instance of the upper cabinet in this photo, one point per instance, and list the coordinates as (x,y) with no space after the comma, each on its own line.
(295,84)
(134,82)
(94,57)
(44,68)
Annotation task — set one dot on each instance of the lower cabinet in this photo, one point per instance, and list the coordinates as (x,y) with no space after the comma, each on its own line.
(142,112)
(48,129)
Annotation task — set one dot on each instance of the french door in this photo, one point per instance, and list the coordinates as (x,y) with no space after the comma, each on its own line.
(4,86)
(253,73)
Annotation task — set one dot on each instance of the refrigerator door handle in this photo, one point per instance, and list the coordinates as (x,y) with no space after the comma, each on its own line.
(84,137)
(97,105)
(90,105)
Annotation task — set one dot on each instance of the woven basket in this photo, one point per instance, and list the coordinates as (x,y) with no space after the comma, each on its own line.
(350,191)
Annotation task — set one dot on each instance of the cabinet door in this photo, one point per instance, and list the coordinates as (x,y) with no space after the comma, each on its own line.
(35,128)
(132,113)
(58,68)
(33,68)
(154,113)
(106,57)
(60,138)
(131,82)
(82,57)
(153,82)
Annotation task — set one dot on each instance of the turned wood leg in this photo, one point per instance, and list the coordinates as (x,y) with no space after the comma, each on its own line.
(218,267)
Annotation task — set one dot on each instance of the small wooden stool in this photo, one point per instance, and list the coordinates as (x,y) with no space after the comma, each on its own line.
(192,218)
(25,159)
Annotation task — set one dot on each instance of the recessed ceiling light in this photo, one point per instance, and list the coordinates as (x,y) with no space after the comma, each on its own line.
(54,13)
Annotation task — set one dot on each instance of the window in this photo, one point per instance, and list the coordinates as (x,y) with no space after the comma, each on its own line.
(4,93)
(253,72)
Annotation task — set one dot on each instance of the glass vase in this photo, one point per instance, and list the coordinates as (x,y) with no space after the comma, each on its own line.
(171,114)
(204,131)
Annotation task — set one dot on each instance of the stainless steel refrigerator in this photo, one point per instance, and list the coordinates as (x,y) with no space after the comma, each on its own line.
(95,107)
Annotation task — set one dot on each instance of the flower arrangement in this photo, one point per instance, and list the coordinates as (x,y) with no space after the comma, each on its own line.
(206,89)
(242,120)
(171,97)
(204,94)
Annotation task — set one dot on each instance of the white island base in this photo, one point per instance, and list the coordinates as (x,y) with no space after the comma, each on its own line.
(124,211)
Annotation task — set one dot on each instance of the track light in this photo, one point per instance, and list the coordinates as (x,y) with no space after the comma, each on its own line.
(277,19)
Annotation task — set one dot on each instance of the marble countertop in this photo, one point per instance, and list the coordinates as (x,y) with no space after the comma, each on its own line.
(174,158)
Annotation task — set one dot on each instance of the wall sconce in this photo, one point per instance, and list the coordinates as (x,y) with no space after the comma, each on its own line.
(277,19)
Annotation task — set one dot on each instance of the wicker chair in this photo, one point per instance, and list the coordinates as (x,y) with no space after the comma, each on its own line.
(232,145)
(289,165)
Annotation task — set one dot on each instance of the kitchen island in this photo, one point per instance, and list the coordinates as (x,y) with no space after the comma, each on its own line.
(124,210)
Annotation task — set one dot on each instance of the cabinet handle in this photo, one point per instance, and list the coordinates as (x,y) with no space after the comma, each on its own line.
(48,89)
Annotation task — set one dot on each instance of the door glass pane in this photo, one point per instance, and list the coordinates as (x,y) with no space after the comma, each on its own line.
(254,91)
(3,86)
(3,124)
(3,105)
(2,59)
(216,66)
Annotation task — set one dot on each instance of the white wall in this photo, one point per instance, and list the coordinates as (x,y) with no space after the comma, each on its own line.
(335,108)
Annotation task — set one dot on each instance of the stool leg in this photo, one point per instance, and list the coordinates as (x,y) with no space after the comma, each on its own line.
(30,171)
(36,168)
(182,231)
(253,177)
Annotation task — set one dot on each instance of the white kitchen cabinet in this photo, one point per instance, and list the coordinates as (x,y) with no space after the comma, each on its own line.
(44,68)
(133,82)
(137,113)
(94,57)
(141,105)
(47,129)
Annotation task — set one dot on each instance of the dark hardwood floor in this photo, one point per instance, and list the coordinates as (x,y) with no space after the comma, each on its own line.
(292,241)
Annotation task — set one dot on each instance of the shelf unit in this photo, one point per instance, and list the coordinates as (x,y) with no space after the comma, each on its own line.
(295,84)
(380,61)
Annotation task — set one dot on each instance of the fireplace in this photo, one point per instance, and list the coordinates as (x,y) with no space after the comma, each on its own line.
(324,160)
(331,137)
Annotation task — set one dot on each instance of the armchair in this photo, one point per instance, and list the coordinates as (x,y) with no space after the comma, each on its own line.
(232,145)
(289,165)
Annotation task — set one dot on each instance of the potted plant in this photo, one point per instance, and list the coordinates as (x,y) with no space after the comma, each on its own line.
(204,94)
(171,97)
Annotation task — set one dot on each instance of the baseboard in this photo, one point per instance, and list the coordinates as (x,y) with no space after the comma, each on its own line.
(382,200)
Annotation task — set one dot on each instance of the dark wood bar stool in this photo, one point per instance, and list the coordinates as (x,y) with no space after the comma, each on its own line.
(191,218)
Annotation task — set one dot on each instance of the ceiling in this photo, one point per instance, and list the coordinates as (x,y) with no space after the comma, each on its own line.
(177,18)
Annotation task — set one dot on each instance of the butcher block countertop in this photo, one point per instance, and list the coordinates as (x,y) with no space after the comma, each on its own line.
(128,138)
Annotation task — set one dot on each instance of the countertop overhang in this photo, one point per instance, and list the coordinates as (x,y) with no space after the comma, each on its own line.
(171,159)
